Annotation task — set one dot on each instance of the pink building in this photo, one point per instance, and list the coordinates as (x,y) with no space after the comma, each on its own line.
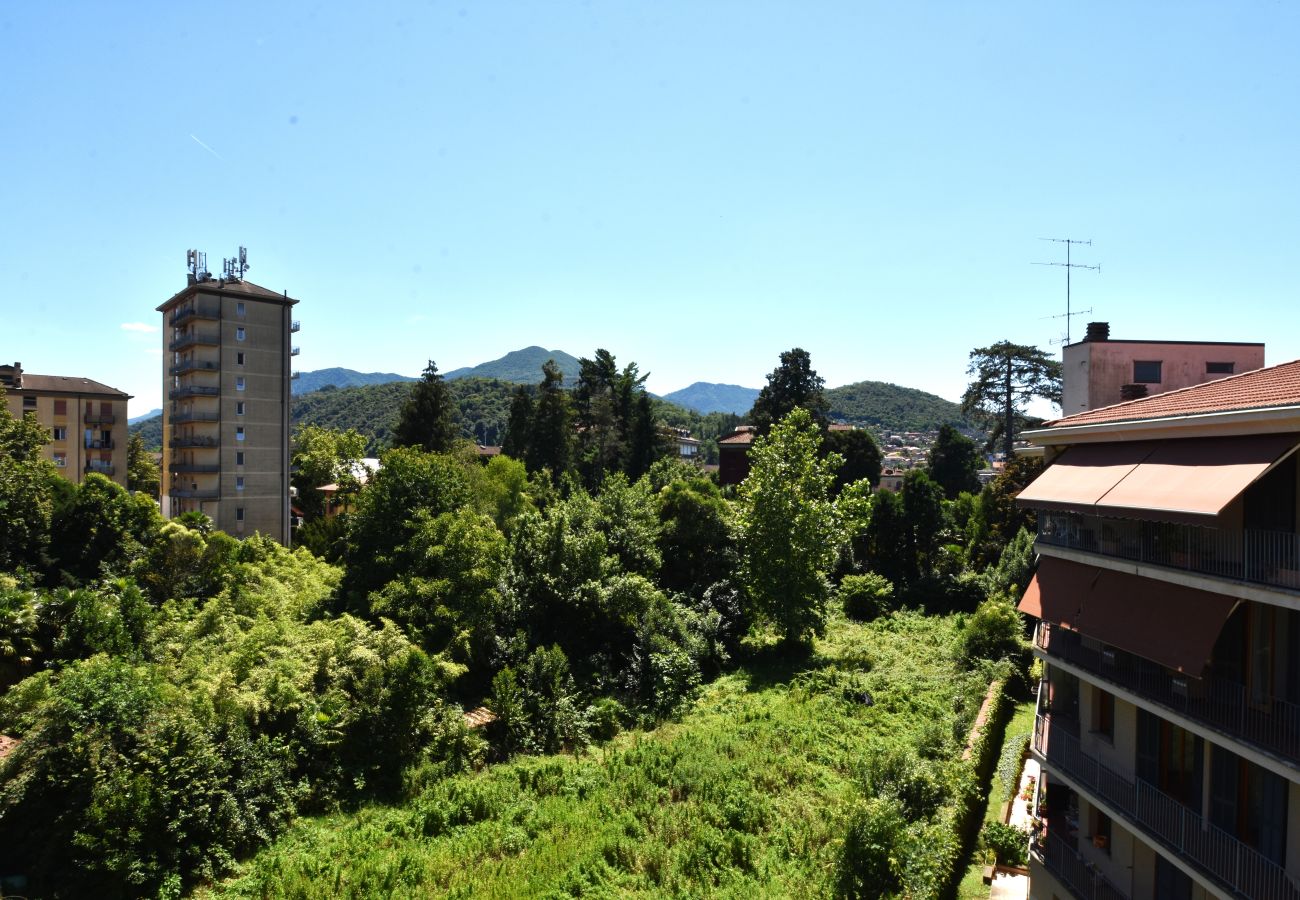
(1101,372)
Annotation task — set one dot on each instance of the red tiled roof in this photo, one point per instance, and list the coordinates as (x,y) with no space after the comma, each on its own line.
(216,286)
(1273,386)
(745,434)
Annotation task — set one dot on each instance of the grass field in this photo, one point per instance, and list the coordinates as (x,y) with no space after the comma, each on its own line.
(747,795)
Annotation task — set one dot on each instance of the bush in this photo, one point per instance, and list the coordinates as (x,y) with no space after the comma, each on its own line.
(1009,844)
(868,865)
(866,597)
(993,632)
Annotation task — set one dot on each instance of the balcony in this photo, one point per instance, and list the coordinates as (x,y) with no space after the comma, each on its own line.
(190,494)
(95,444)
(99,418)
(1240,870)
(193,440)
(101,468)
(193,390)
(195,468)
(193,365)
(1075,872)
(295,327)
(295,351)
(192,416)
(196,311)
(1261,557)
(1221,704)
(184,342)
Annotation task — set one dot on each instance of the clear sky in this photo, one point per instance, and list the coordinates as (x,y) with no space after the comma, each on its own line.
(695,186)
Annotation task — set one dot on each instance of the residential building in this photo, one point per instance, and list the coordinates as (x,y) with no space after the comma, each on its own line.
(688,448)
(1099,371)
(1167,601)
(226,429)
(733,454)
(891,480)
(86,420)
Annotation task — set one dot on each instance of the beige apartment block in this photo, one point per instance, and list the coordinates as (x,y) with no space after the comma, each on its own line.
(86,420)
(1167,600)
(226,431)
(1099,371)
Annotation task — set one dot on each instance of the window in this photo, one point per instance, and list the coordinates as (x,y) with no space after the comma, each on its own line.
(239,482)
(60,433)
(1220,368)
(1100,830)
(29,403)
(239,457)
(239,383)
(239,358)
(1103,714)
(60,407)
(239,333)
(60,460)
(1144,372)
(239,432)
(239,308)
(239,408)
(239,514)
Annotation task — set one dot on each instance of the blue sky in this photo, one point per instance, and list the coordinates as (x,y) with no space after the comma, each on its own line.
(695,186)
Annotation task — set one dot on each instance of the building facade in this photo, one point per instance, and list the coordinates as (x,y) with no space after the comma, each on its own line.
(226,373)
(86,420)
(1098,371)
(1167,608)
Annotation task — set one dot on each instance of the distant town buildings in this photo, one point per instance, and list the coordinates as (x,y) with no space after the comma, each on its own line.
(87,420)
(226,374)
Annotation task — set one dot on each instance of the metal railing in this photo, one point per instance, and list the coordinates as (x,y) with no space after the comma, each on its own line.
(193,365)
(190,494)
(95,444)
(1075,872)
(193,340)
(1269,723)
(194,441)
(1244,554)
(295,327)
(193,390)
(1244,871)
(101,468)
(199,310)
(295,351)
(99,418)
(195,417)
(195,467)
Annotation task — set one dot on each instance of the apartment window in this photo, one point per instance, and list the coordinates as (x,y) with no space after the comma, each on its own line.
(239,308)
(239,432)
(1103,714)
(1100,830)
(239,408)
(239,482)
(239,514)
(60,460)
(1144,371)
(239,457)
(60,433)
(239,333)
(1219,368)
(239,383)
(29,403)
(105,409)
(60,407)
(239,358)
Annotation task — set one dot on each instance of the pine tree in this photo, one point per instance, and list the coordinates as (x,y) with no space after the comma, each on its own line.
(426,420)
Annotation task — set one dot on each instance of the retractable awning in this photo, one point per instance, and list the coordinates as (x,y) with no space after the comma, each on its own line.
(1083,475)
(1172,625)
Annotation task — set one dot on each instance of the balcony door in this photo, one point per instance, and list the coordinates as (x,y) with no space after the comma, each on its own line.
(1170,758)
(1249,802)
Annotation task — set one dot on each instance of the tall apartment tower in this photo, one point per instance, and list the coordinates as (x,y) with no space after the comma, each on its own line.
(226,376)
(1168,604)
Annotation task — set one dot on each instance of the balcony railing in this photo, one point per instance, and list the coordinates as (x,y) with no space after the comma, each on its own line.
(101,468)
(99,418)
(197,311)
(295,327)
(194,340)
(193,390)
(199,468)
(1271,724)
(195,417)
(193,365)
(1242,870)
(96,444)
(295,351)
(1254,555)
(1075,872)
(191,494)
(194,440)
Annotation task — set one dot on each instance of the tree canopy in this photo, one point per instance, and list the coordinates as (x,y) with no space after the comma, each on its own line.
(954,462)
(793,384)
(1006,377)
(426,419)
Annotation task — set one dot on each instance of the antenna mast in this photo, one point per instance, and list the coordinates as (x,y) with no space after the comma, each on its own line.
(1067,265)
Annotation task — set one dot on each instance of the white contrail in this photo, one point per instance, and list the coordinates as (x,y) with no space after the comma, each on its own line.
(207,148)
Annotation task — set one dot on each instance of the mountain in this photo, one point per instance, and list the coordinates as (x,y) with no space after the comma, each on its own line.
(314,381)
(893,408)
(521,367)
(706,397)
(140,418)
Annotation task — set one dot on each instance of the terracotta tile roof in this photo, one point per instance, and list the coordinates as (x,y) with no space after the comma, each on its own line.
(67,384)
(7,745)
(1261,389)
(745,434)
(240,288)
(477,718)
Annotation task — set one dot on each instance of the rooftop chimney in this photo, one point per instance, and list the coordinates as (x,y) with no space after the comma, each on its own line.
(1098,332)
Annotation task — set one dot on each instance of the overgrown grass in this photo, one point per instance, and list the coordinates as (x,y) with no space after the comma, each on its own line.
(747,795)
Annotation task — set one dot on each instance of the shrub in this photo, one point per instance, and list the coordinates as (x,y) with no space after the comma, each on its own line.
(868,865)
(866,597)
(1009,844)
(993,632)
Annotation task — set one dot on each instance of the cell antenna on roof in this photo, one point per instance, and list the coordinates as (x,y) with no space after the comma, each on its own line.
(234,267)
(196,264)
(1067,265)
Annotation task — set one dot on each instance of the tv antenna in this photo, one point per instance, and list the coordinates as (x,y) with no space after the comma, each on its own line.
(235,267)
(1067,265)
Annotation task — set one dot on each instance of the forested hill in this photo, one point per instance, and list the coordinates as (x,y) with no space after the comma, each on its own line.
(706,397)
(893,408)
(341,378)
(521,367)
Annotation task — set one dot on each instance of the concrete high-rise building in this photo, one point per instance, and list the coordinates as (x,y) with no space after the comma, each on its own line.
(1168,604)
(226,376)
(86,420)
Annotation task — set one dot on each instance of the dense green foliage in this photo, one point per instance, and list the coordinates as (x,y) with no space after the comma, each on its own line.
(1004,378)
(888,407)
(520,366)
(425,420)
(954,462)
(705,397)
(793,384)
(336,377)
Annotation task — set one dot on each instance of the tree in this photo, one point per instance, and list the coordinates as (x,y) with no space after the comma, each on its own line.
(862,456)
(793,384)
(551,440)
(1006,377)
(954,462)
(103,530)
(141,471)
(519,426)
(426,421)
(26,490)
(324,456)
(788,527)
